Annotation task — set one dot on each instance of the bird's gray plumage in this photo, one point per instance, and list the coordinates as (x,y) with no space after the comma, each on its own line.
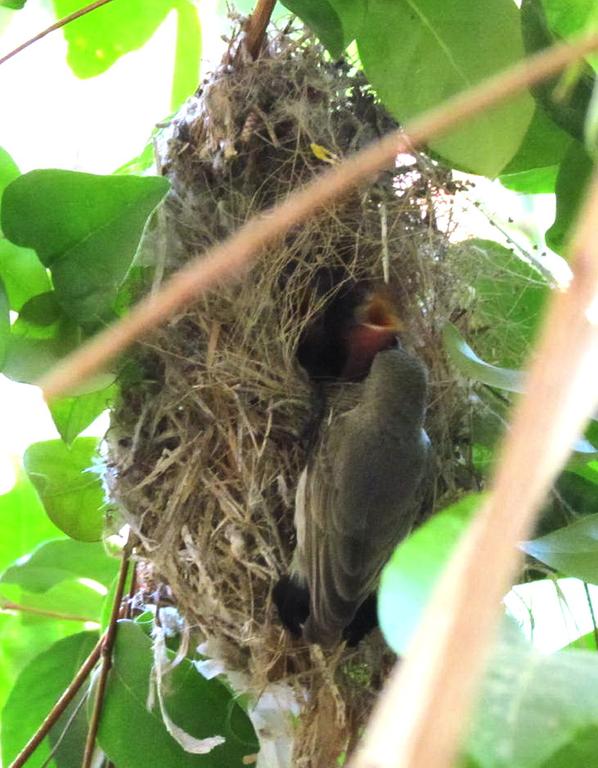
(358,496)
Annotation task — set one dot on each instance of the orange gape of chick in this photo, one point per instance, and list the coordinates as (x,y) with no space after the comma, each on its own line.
(359,494)
(375,327)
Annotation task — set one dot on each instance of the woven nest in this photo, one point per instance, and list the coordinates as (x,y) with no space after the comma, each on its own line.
(206,444)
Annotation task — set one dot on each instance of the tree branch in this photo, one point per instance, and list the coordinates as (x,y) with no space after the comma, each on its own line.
(422,713)
(106,652)
(256,26)
(231,258)
(58,708)
(57,25)
(8,605)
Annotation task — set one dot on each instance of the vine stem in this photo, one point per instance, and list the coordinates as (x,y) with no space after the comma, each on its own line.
(106,654)
(256,27)
(422,713)
(233,256)
(586,588)
(57,25)
(7,605)
(58,708)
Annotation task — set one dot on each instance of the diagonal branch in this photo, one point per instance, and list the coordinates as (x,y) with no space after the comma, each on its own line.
(58,708)
(421,715)
(8,605)
(53,27)
(256,26)
(107,645)
(231,258)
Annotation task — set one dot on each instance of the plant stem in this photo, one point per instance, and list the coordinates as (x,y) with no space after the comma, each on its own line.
(592,614)
(230,259)
(420,716)
(256,27)
(57,25)
(8,605)
(106,653)
(59,707)
(132,590)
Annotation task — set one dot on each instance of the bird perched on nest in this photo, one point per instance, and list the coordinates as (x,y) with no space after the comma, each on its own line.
(357,498)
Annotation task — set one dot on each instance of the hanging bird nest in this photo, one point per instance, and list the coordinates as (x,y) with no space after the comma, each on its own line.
(212,429)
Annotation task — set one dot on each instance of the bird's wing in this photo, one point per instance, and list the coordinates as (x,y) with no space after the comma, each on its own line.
(357,507)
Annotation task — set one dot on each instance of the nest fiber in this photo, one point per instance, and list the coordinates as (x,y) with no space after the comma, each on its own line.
(212,431)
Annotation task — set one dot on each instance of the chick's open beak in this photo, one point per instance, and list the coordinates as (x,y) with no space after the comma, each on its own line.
(376,327)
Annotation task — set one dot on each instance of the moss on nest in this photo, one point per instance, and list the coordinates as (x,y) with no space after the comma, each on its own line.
(206,449)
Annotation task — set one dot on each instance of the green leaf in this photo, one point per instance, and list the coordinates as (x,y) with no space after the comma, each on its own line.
(572,550)
(534,182)
(141,163)
(585,450)
(40,337)
(62,560)
(67,600)
(39,317)
(410,575)
(591,125)
(473,367)
(335,22)
(545,144)
(571,184)
(85,228)
(72,415)
(534,168)
(572,18)
(510,296)
(533,705)
(584,643)
(4,324)
(20,269)
(22,637)
(23,273)
(68,486)
(567,110)
(23,522)
(8,170)
(35,692)
(588,471)
(28,357)
(470,365)
(418,53)
(580,752)
(188,54)
(574,497)
(14,4)
(577,489)
(203,708)
(96,40)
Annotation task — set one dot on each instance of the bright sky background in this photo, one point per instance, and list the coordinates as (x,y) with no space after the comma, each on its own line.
(51,119)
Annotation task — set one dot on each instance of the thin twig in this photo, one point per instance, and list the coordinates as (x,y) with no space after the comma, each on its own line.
(7,605)
(67,726)
(421,715)
(58,708)
(256,26)
(107,646)
(57,25)
(231,258)
(132,591)
(592,614)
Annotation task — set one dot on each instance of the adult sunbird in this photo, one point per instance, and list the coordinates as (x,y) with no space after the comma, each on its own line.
(358,496)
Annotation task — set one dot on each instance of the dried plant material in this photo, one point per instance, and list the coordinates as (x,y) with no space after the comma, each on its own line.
(212,432)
